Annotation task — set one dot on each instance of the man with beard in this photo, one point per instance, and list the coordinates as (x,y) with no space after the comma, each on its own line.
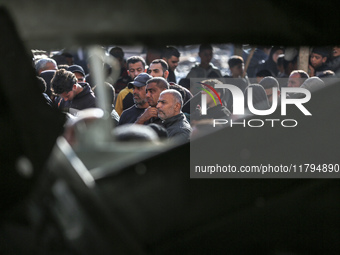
(153,88)
(169,109)
(135,66)
(159,68)
(131,114)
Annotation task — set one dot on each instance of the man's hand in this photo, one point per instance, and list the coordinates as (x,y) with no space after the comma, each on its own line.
(147,114)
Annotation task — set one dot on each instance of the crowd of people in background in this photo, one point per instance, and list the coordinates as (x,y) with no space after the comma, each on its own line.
(148,93)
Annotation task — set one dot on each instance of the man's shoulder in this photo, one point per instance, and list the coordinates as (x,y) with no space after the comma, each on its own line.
(85,99)
(86,94)
(178,120)
(212,67)
(195,72)
(195,68)
(179,128)
(197,65)
(130,115)
(131,109)
(86,90)
(124,92)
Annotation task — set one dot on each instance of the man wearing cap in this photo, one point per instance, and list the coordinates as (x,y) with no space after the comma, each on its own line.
(78,72)
(81,77)
(131,114)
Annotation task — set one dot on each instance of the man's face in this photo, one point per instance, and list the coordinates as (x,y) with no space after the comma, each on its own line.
(68,96)
(317,60)
(139,95)
(135,69)
(152,93)
(206,56)
(237,70)
(156,70)
(79,77)
(166,106)
(294,80)
(336,51)
(172,62)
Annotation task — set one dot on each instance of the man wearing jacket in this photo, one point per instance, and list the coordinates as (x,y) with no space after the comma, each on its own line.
(169,108)
(131,114)
(73,95)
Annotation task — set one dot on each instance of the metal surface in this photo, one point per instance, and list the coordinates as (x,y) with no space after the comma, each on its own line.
(51,24)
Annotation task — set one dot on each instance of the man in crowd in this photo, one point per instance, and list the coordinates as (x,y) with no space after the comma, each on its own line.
(169,109)
(81,77)
(135,65)
(78,72)
(318,59)
(124,77)
(236,66)
(296,78)
(45,64)
(72,94)
(131,114)
(154,87)
(159,68)
(205,69)
(171,56)
(46,68)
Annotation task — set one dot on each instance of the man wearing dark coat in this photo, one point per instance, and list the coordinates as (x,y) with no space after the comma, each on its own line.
(72,94)
(169,110)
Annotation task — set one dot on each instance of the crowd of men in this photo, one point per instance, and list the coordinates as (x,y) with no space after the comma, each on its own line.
(148,94)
